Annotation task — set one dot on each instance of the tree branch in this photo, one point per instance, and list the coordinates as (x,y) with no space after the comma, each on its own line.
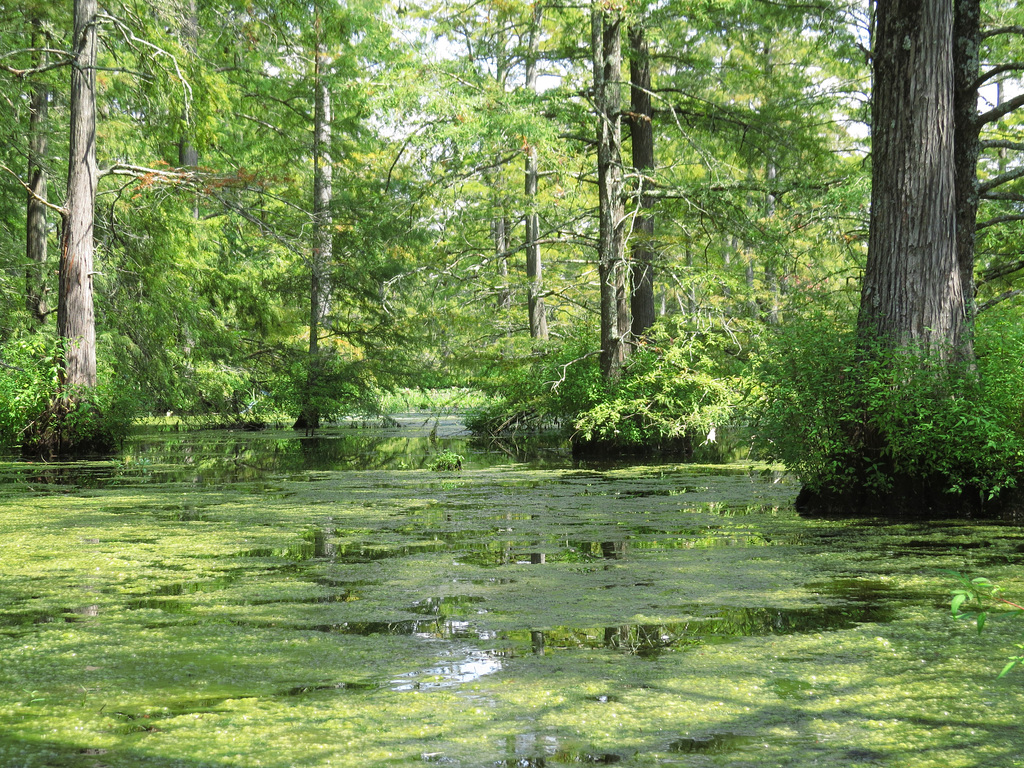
(984,77)
(56,208)
(1000,270)
(996,220)
(61,62)
(999,299)
(1014,29)
(1001,111)
(1002,144)
(998,181)
(131,38)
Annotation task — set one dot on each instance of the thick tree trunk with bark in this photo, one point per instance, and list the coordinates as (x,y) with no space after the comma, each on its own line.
(642,140)
(912,294)
(36,223)
(75,320)
(607,51)
(912,300)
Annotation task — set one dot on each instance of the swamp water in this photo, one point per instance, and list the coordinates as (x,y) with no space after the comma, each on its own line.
(261,599)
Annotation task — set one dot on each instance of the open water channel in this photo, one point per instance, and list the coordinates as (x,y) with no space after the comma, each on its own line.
(263,599)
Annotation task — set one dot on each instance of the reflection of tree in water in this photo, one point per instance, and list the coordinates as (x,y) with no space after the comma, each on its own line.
(613,550)
(715,624)
(534,750)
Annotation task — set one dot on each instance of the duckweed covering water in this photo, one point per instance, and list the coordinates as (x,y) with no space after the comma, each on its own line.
(236,605)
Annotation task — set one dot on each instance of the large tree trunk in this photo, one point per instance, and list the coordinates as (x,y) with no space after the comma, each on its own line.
(912,293)
(75,320)
(642,139)
(607,51)
(36,224)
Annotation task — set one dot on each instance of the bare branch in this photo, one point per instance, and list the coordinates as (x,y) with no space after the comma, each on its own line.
(32,192)
(1010,197)
(1014,29)
(63,61)
(1004,296)
(999,180)
(1002,144)
(131,38)
(984,77)
(996,220)
(1001,111)
(169,175)
(1000,270)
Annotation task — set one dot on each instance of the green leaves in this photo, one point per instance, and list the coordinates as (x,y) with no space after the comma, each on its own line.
(977,597)
(848,416)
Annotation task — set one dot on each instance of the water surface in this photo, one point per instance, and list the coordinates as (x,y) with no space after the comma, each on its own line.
(262,599)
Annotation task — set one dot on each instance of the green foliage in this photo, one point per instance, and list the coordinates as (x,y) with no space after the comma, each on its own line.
(43,417)
(848,416)
(447,461)
(999,346)
(673,388)
(29,368)
(677,385)
(438,401)
(545,389)
(976,598)
(328,385)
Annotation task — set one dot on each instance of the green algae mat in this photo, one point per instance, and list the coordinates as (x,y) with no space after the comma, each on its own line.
(252,600)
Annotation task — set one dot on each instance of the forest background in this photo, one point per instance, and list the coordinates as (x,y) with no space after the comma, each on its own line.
(637,221)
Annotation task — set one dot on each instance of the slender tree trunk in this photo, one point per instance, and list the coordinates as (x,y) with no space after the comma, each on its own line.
(76,324)
(36,223)
(188,155)
(642,139)
(912,291)
(322,255)
(607,50)
(771,277)
(534,265)
(500,236)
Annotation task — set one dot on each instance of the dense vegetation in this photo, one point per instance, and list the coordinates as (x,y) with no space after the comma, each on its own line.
(637,222)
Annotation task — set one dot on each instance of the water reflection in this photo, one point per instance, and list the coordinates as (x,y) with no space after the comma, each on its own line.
(537,750)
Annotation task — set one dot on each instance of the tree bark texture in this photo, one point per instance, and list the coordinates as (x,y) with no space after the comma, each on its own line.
(607,51)
(35,219)
(912,291)
(641,302)
(534,264)
(967,140)
(76,323)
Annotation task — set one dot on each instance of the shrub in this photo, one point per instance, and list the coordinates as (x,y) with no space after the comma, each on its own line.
(29,370)
(45,418)
(447,461)
(856,421)
(545,389)
(673,388)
